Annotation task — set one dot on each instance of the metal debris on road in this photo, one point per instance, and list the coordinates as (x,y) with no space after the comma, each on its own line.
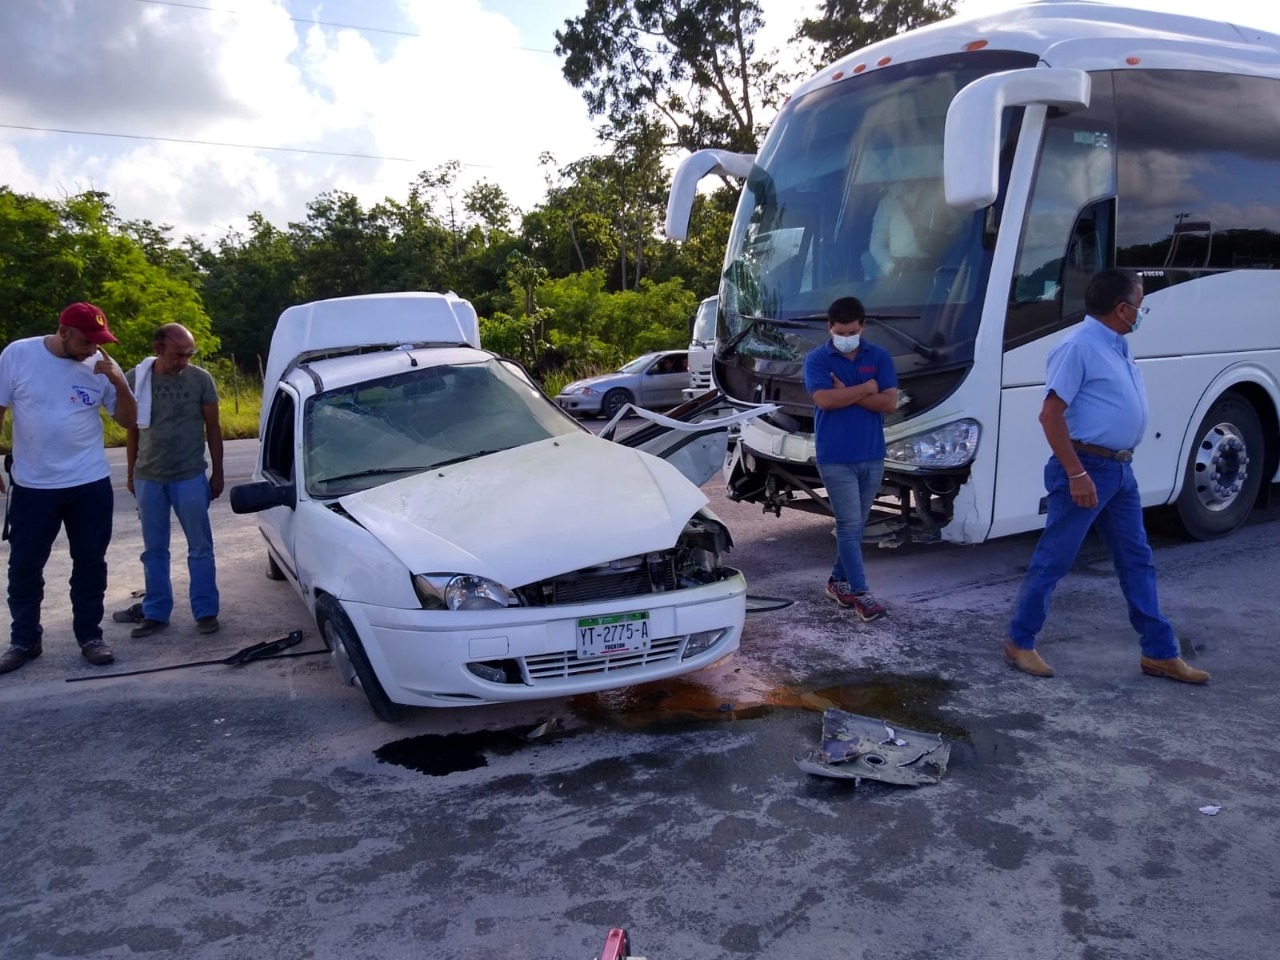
(857,748)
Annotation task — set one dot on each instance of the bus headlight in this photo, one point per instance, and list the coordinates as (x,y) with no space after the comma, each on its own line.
(951,445)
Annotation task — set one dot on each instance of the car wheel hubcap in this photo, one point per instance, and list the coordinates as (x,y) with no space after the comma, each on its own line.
(1221,467)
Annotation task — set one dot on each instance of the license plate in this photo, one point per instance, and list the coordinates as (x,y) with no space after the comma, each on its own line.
(616,633)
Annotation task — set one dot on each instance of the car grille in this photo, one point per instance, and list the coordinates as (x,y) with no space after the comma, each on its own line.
(700,380)
(558,666)
(603,583)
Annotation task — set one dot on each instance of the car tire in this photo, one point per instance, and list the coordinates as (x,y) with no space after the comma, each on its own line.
(1223,470)
(348,656)
(273,569)
(614,401)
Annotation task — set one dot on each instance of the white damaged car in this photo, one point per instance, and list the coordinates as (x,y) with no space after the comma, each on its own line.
(458,538)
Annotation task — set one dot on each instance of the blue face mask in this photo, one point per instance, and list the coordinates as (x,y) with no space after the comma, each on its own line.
(846,344)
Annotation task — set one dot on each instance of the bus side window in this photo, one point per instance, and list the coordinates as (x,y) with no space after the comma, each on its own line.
(1199,173)
(1062,236)
(1092,241)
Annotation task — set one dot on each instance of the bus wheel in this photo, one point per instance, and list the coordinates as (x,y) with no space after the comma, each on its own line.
(1224,470)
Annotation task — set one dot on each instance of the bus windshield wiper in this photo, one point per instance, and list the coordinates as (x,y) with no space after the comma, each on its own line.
(929,353)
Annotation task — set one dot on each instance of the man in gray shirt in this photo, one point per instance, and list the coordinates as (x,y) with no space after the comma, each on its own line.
(177,414)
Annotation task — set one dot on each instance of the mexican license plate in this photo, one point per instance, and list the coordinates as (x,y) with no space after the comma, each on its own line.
(615,633)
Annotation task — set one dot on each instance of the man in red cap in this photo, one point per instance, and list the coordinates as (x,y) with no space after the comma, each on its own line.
(55,385)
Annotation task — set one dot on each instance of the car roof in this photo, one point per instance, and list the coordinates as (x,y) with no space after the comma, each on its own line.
(331,373)
(367,322)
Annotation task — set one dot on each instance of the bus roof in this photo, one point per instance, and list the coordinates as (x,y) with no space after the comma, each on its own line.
(1084,36)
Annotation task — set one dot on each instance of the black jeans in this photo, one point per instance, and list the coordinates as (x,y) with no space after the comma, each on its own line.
(35,516)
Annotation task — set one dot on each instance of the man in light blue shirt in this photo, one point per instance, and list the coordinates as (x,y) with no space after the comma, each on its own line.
(1094,414)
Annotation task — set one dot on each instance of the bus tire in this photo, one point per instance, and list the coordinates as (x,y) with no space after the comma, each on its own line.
(1223,471)
(350,660)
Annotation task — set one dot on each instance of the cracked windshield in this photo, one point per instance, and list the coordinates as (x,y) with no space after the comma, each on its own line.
(377,431)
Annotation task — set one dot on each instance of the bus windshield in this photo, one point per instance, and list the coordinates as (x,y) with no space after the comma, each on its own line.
(846,198)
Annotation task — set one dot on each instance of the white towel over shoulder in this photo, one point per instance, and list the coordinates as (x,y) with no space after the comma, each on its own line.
(142,391)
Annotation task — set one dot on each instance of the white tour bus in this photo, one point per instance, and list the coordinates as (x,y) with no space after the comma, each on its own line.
(965,180)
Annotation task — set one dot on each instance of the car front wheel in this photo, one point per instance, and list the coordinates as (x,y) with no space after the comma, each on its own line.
(352,663)
(614,401)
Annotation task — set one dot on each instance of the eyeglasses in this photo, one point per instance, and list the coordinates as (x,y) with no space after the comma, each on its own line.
(1140,312)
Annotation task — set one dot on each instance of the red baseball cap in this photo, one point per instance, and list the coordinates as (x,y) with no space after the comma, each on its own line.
(89,320)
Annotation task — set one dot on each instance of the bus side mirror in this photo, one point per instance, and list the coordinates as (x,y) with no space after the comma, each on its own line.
(971,149)
(684,184)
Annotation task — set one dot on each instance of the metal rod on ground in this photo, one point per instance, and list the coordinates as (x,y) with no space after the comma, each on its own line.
(266,650)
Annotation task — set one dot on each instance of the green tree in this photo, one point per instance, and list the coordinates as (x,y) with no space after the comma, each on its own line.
(691,64)
(848,25)
(54,253)
(247,283)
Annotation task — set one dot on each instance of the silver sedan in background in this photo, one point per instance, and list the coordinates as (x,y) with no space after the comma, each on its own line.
(652,381)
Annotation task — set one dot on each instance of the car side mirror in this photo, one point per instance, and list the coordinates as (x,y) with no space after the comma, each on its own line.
(263,495)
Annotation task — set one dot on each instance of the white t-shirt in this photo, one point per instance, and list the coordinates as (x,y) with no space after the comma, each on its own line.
(57,429)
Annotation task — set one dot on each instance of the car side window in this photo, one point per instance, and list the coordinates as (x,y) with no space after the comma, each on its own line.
(277,441)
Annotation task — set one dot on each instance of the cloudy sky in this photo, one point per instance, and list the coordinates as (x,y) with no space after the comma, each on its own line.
(170,106)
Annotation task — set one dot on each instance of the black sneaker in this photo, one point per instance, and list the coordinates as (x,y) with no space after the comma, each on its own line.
(132,615)
(207,625)
(147,627)
(97,653)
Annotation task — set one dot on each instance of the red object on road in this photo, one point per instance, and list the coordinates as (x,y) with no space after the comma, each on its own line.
(617,945)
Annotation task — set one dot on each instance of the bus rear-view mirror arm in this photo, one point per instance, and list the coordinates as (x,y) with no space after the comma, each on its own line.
(684,185)
(971,148)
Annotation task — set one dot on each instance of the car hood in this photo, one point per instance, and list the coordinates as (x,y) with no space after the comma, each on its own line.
(532,512)
(595,381)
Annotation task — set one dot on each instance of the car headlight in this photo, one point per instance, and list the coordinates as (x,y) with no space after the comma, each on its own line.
(951,445)
(461,591)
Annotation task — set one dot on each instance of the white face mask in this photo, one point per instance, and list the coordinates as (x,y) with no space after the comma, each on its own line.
(846,344)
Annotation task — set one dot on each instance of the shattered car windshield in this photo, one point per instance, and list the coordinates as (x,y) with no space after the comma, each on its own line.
(370,433)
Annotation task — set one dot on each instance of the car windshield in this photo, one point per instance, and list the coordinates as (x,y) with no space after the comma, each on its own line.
(377,431)
(638,364)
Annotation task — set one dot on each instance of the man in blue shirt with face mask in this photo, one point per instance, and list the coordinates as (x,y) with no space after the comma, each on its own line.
(853,384)
(1094,414)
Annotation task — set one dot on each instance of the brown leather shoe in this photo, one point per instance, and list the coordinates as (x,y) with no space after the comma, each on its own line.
(16,657)
(1028,661)
(1175,669)
(97,653)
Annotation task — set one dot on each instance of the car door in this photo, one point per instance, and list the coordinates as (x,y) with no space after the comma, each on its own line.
(664,380)
(277,464)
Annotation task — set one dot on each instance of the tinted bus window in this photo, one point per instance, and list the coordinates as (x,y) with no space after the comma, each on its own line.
(1199,171)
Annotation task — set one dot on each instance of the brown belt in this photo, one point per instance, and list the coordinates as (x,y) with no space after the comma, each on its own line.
(1120,456)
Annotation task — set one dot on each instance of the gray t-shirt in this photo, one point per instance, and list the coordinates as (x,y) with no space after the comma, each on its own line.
(172,448)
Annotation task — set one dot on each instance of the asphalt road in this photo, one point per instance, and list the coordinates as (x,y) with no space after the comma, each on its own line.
(262,811)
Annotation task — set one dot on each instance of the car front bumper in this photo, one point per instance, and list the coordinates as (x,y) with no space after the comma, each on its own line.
(421,657)
(578,403)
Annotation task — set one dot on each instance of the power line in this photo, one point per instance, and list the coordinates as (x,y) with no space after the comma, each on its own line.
(221,143)
(318,23)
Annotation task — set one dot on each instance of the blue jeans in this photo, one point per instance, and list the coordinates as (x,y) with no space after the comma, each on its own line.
(189,499)
(851,488)
(35,517)
(1118,517)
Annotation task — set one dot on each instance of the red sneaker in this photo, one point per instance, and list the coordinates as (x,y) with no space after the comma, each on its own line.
(840,592)
(867,607)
